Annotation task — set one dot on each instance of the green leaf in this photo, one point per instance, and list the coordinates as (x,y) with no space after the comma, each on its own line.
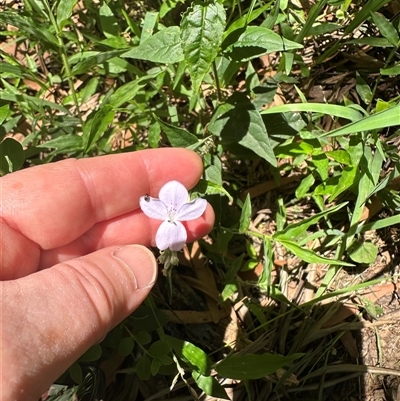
(243,21)
(265,279)
(4,113)
(153,134)
(252,367)
(163,47)
(346,290)
(327,187)
(75,371)
(293,149)
(205,187)
(128,91)
(251,264)
(159,349)
(4,165)
(125,346)
(237,121)
(109,23)
(251,78)
(379,224)
(143,367)
(165,360)
(12,156)
(310,256)
(395,70)
(347,179)
(64,12)
(98,123)
(133,25)
(381,105)
(36,6)
(363,89)
(167,6)
(273,16)
(312,17)
(256,41)
(32,101)
(142,337)
(210,386)
(371,308)
(155,366)
(92,354)
(341,156)
(370,41)
(361,15)
(355,148)
(19,71)
(94,60)
(280,215)
(330,109)
(292,231)
(304,186)
(323,28)
(251,250)
(190,354)
(321,163)
(64,143)
(149,23)
(178,137)
(26,25)
(213,174)
(363,252)
(383,119)
(386,28)
(89,89)
(148,319)
(371,167)
(202,28)
(245,215)
(229,289)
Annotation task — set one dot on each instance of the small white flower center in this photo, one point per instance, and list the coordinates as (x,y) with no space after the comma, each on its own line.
(171,215)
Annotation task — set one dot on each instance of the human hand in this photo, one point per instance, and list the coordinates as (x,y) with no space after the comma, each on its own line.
(68,274)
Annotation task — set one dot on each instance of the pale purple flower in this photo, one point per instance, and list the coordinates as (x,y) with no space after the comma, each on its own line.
(172,207)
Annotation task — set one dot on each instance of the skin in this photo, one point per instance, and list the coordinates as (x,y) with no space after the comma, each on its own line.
(69,270)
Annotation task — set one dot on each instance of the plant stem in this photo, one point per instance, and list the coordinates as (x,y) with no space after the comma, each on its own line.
(64,58)
(219,97)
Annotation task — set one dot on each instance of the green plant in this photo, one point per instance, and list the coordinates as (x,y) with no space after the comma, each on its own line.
(208,76)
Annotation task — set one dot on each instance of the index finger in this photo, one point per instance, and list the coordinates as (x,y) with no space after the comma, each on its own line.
(54,204)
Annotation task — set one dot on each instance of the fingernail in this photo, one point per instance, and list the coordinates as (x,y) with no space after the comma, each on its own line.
(141,262)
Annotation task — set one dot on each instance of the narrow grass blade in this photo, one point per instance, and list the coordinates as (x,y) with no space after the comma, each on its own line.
(383,119)
(337,111)
(343,291)
(252,366)
(364,13)
(314,13)
(386,28)
(310,256)
(379,224)
(294,230)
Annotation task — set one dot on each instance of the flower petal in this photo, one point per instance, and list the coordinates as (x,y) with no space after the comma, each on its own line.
(191,210)
(153,207)
(174,195)
(171,235)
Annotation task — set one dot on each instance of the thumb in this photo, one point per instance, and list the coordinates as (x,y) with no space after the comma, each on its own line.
(50,318)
